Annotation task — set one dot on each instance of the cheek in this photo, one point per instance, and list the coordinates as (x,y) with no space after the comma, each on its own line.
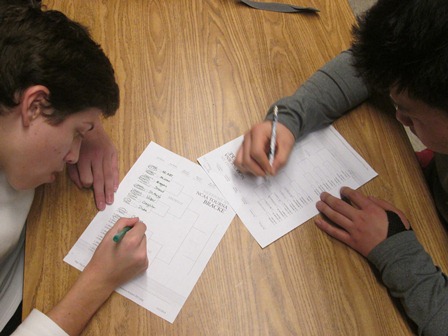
(421,131)
(56,151)
(432,139)
(58,148)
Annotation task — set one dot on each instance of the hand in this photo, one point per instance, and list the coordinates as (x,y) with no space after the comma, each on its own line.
(112,265)
(252,156)
(116,263)
(362,225)
(97,166)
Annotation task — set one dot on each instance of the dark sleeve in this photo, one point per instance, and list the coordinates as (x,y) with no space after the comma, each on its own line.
(411,276)
(332,91)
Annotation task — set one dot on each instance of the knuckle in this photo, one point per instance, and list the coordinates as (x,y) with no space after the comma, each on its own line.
(131,241)
(347,192)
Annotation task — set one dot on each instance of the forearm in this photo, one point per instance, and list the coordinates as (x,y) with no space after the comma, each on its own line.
(111,265)
(332,91)
(411,276)
(81,302)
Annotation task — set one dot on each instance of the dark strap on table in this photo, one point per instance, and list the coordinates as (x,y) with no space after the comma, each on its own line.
(279,7)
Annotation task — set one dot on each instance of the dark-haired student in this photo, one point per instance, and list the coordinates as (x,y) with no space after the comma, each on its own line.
(56,84)
(400,48)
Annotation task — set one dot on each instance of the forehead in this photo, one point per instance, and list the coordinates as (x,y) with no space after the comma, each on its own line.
(416,107)
(90,115)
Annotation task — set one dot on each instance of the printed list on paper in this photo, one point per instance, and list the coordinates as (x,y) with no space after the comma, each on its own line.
(273,206)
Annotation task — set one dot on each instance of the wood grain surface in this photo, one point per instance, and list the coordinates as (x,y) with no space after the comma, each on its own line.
(195,74)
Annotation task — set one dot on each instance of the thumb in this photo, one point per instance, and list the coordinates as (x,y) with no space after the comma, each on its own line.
(389,207)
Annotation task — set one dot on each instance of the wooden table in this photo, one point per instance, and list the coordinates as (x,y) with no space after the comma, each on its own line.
(195,74)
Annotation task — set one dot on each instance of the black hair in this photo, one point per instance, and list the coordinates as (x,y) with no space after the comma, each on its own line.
(404,43)
(44,47)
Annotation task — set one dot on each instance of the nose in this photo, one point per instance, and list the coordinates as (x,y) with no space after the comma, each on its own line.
(73,154)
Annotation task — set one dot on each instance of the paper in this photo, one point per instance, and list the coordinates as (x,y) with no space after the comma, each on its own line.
(271,207)
(186,217)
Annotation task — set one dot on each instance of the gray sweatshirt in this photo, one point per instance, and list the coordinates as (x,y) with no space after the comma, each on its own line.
(406,269)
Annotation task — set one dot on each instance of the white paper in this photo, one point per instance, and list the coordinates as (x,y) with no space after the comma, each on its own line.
(186,217)
(271,207)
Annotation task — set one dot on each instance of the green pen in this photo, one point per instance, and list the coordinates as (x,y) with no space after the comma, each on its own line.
(119,236)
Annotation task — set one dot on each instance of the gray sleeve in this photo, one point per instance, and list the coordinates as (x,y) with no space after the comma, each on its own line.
(411,276)
(332,91)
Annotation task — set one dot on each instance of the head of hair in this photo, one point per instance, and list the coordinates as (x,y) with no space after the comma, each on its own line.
(404,44)
(44,47)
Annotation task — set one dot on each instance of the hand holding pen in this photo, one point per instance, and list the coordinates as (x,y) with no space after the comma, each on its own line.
(116,262)
(255,155)
(120,234)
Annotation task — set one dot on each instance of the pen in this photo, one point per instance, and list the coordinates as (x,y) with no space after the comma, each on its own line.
(119,236)
(273,136)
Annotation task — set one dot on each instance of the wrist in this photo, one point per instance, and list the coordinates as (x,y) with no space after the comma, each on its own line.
(92,277)
(80,303)
(395,224)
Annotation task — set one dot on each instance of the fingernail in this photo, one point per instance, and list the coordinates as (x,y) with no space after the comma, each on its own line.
(109,199)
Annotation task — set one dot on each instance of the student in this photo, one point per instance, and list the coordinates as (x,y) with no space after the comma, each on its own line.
(55,84)
(400,49)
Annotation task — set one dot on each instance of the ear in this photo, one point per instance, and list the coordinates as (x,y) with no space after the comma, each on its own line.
(33,102)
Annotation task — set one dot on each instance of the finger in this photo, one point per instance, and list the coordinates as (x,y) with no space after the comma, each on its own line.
(125,221)
(108,178)
(139,228)
(334,215)
(239,159)
(261,138)
(249,163)
(138,231)
(98,188)
(73,173)
(121,224)
(115,171)
(333,231)
(339,206)
(355,197)
(85,173)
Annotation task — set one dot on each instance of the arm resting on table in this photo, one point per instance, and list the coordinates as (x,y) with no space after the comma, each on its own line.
(411,276)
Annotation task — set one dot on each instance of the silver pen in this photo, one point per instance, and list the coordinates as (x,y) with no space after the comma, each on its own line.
(273,136)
